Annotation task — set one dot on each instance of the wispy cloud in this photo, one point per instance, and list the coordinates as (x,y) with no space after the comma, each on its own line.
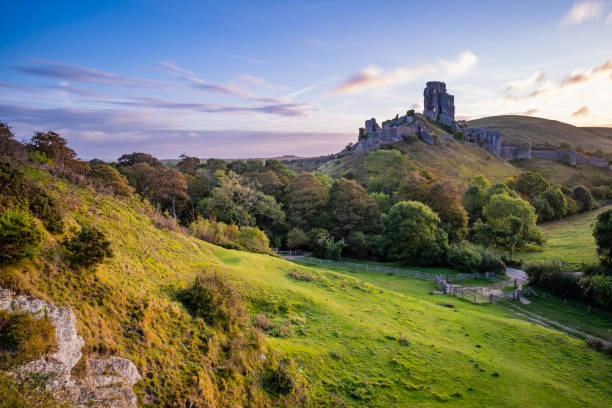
(374,76)
(254,81)
(530,112)
(174,68)
(525,83)
(584,11)
(75,73)
(279,109)
(583,111)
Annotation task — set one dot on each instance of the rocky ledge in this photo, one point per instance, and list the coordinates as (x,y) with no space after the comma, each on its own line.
(107,382)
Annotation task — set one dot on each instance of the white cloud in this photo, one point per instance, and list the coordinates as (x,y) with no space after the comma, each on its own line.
(584,11)
(375,77)
(609,19)
(462,65)
(525,83)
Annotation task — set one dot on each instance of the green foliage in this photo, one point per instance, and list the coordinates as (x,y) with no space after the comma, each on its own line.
(363,134)
(529,183)
(383,201)
(583,197)
(411,232)
(471,258)
(458,136)
(53,147)
(385,170)
(46,209)
(24,338)
(475,197)
(597,288)
(213,298)
(14,394)
(110,178)
(281,379)
(296,238)
(550,276)
(244,238)
(305,200)
(551,204)
(603,237)
(410,112)
(351,209)
(19,235)
(88,247)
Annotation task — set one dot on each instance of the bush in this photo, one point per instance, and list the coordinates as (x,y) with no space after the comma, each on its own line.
(602,192)
(230,236)
(24,338)
(280,379)
(89,247)
(583,197)
(46,209)
(296,238)
(603,237)
(213,298)
(458,136)
(548,275)
(19,235)
(463,258)
(598,289)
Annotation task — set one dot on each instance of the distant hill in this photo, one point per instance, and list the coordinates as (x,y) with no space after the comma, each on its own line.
(517,129)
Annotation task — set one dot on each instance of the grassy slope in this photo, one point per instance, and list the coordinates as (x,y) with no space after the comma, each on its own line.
(346,330)
(570,239)
(565,174)
(455,161)
(537,131)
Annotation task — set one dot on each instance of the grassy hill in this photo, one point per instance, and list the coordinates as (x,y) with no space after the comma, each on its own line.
(455,161)
(355,339)
(565,174)
(538,131)
(570,239)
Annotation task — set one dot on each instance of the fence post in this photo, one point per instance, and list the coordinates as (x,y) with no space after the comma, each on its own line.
(588,308)
(490,298)
(474,298)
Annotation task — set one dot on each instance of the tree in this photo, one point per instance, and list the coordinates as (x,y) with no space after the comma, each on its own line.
(529,184)
(8,145)
(385,170)
(444,199)
(510,222)
(171,190)
(54,147)
(583,197)
(475,197)
(351,209)
(230,201)
(382,200)
(296,238)
(143,177)
(111,178)
(188,164)
(411,232)
(551,204)
(138,157)
(603,237)
(19,235)
(305,200)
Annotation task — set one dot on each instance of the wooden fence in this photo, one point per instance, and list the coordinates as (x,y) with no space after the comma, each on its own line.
(390,270)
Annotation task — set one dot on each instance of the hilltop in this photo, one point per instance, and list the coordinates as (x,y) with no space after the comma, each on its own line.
(517,129)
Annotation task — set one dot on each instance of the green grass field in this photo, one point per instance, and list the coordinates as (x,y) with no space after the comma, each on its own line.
(570,239)
(358,339)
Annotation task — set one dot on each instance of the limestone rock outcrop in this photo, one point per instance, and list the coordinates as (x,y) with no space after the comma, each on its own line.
(439,105)
(107,382)
(515,152)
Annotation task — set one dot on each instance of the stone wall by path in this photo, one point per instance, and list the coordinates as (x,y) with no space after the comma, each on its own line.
(107,382)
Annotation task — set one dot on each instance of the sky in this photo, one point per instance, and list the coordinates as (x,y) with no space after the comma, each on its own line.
(237,79)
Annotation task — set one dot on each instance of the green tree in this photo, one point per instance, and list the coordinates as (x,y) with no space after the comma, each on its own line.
(444,199)
(555,206)
(351,209)
(529,183)
(89,247)
(475,197)
(139,157)
(306,200)
(583,197)
(54,147)
(110,178)
(510,222)
(296,238)
(603,237)
(411,232)
(19,235)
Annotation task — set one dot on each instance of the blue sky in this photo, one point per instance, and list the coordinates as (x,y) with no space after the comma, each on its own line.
(259,79)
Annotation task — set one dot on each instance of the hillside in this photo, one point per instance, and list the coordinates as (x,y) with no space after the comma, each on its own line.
(570,239)
(565,174)
(538,131)
(353,343)
(455,161)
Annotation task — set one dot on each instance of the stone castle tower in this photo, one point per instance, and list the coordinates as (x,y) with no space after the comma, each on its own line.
(438,105)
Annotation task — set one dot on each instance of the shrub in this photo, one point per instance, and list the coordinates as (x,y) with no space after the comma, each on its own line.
(213,298)
(253,240)
(603,237)
(410,112)
(89,247)
(46,209)
(598,289)
(280,379)
(19,235)
(458,136)
(301,276)
(463,258)
(24,338)
(599,345)
(602,192)
(296,238)
(583,197)
(549,275)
